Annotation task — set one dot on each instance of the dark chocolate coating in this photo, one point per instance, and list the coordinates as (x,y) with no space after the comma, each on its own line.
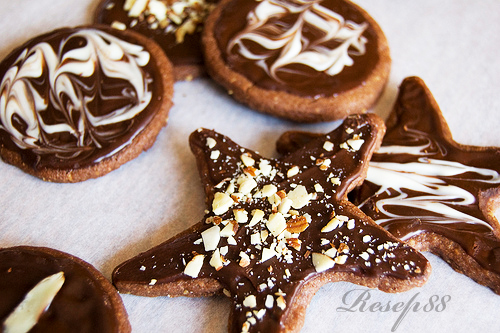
(303,81)
(374,258)
(186,53)
(81,305)
(100,94)
(416,122)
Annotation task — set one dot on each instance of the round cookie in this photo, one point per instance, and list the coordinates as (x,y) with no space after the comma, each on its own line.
(77,103)
(175,25)
(46,290)
(307,61)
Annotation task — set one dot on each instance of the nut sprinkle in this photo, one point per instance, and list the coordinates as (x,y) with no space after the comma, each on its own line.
(284,237)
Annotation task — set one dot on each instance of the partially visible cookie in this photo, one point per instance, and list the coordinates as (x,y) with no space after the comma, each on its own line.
(45,290)
(76,103)
(307,61)
(174,24)
(430,191)
(276,230)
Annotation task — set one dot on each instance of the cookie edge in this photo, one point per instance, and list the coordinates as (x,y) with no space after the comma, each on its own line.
(109,290)
(142,142)
(291,106)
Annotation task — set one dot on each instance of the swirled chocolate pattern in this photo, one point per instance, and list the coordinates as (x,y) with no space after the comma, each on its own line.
(426,189)
(280,45)
(420,189)
(313,48)
(73,97)
(421,181)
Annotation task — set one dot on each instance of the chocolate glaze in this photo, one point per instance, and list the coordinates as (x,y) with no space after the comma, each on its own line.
(102,93)
(415,109)
(186,53)
(306,81)
(417,122)
(80,306)
(165,263)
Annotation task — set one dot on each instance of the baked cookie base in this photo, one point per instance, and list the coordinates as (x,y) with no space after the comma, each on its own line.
(142,141)
(189,72)
(110,296)
(291,106)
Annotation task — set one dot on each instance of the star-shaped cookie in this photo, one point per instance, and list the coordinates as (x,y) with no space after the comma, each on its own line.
(430,191)
(276,230)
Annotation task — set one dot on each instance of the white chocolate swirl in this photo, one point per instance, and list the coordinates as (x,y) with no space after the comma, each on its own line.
(293,46)
(441,199)
(64,70)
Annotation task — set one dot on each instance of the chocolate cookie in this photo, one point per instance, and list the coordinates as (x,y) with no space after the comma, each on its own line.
(277,230)
(77,103)
(430,191)
(307,61)
(45,290)
(175,25)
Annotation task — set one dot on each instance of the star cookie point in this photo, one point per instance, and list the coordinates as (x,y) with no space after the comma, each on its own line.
(268,242)
(429,190)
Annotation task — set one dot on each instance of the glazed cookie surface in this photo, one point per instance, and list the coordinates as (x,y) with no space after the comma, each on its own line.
(276,231)
(430,191)
(306,60)
(45,290)
(175,25)
(79,102)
